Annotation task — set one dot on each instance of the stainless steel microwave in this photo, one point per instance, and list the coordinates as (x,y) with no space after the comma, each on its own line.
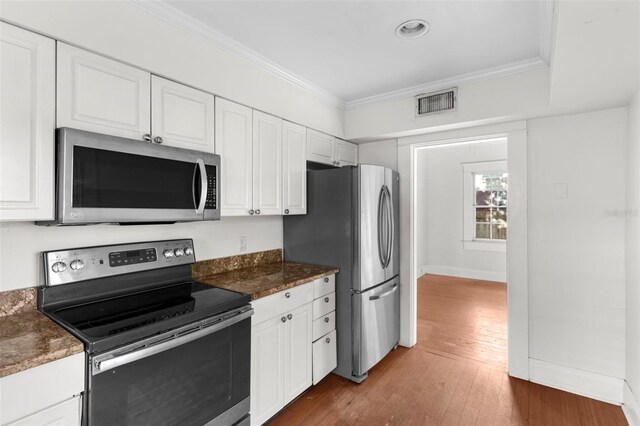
(109,179)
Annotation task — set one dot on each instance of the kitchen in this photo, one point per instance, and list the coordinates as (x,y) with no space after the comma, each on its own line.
(237,97)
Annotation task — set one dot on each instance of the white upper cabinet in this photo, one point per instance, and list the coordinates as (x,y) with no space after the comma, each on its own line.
(27,125)
(320,147)
(267,164)
(326,149)
(346,153)
(182,116)
(102,95)
(233,143)
(294,171)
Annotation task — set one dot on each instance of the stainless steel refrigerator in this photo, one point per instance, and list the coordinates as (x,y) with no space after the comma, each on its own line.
(352,223)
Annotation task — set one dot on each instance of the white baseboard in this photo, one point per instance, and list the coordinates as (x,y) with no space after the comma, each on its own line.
(581,382)
(630,406)
(476,274)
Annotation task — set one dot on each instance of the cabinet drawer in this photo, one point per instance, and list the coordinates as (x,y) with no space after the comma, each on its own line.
(281,302)
(325,357)
(324,305)
(324,285)
(323,325)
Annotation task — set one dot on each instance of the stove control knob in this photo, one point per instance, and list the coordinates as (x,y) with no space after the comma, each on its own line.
(76,264)
(188,251)
(59,267)
(178,252)
(168,253)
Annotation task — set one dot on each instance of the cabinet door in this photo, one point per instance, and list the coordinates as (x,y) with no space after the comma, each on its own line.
(346,153)
(320,147)
(67,413)
(233,144)
(182,116)
(294,171)
(27,124)
(267,164)
(325,356)
(102,95)
(297,353)
(267,369)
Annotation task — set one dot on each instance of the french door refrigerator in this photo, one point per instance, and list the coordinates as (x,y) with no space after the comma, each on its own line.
(352,223)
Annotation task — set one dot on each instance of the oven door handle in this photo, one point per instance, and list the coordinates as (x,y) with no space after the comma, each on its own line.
(100,366)
(203,187)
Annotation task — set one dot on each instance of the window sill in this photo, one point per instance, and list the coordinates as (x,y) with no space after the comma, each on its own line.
(498,246)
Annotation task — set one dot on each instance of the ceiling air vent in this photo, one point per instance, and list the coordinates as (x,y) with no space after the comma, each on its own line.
(437,102)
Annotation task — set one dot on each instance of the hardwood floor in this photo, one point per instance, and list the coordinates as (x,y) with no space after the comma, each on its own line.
(455,375)
(459,317)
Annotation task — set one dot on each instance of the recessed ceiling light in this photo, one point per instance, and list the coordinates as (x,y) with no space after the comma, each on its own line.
(413,29)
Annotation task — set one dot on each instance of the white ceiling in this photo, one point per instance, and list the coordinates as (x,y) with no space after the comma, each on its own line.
(349,48)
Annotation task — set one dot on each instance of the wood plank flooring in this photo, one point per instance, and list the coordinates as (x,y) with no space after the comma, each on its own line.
(453,376)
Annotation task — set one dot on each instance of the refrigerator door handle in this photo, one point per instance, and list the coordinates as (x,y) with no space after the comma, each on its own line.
(390,226)
(385,294)
(381,207)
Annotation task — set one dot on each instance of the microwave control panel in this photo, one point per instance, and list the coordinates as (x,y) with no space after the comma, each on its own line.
(210,203)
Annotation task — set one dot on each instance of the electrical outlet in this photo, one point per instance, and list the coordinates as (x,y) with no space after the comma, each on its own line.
(243,244)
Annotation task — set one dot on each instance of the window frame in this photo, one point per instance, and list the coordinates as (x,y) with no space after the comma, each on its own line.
(469,241)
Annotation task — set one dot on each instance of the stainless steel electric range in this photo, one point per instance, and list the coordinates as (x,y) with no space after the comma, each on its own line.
(161,349)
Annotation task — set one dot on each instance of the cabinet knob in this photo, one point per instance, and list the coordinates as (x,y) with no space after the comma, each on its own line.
(258,211)
(326,319)
(326,279)
(337,163)
(326,299)
(251,212)
(328,339)
(283,319)
(286,211)
(158,139)
(287,295)
(146,137)
(289,316)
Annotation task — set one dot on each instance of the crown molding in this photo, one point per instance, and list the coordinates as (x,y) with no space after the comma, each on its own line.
(196,28)
(459,80)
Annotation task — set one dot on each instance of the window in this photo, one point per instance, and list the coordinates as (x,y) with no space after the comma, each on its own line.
(485,205)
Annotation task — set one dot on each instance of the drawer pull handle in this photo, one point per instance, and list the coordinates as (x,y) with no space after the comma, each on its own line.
(287,295)
(289,316)
(328,340)
(283,319)
(326,299)
(326,319)
(326,279)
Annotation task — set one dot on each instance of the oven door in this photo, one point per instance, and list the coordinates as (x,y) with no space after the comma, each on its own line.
(195,375)
(104,178)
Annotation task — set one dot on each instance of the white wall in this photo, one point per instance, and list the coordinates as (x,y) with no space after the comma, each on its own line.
(381,153)
(22,242)
(123,31)
(576,251)
(440,207)
(633,257)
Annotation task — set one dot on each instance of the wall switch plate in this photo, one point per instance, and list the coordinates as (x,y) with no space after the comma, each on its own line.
(242,244)
(562,191)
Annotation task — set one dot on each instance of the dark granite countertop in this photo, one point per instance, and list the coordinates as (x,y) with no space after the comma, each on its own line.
(29,339)
(267,279)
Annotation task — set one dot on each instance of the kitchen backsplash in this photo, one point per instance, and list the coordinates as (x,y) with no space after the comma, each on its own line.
(223,264)
(17,301)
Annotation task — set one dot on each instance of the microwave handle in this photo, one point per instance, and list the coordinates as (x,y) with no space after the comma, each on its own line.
(203,186)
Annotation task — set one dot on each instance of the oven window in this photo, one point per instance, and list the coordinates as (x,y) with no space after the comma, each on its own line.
(111,179)
(191,384)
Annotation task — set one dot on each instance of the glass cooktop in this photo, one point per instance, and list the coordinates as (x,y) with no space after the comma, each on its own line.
(113,321)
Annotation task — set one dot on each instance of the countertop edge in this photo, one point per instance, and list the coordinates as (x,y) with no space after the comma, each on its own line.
(287,286)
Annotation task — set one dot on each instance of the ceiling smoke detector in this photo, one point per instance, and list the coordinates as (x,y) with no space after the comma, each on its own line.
(413,29)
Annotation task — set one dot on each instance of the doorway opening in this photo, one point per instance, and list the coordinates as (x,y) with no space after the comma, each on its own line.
(460,234)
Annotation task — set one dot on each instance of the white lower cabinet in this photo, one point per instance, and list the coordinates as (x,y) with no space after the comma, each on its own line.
(281,352)
(66,413)
(325,355)
(48,394)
